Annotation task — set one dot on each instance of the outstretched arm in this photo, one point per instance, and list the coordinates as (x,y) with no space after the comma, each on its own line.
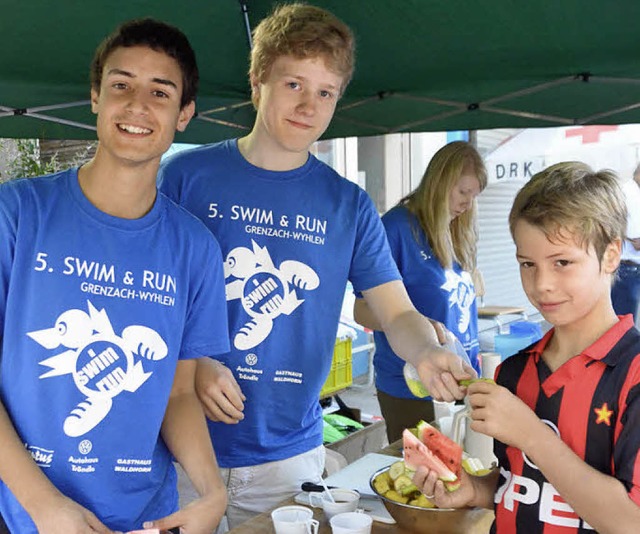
(185,432)
(50,510)
(414,339)
(363,315)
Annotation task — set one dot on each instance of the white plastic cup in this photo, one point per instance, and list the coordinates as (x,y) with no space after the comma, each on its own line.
(441,409)
(294,520)
(351,523)
(489,362)
(346,500)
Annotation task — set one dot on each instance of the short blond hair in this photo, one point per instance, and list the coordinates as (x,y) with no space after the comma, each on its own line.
(571,199)
(303,31)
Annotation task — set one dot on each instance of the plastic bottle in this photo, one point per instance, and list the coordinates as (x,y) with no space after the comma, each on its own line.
(411,376)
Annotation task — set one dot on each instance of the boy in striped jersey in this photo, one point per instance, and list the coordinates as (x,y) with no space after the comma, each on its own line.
(565,412)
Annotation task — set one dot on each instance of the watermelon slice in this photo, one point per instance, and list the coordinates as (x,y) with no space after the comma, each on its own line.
(417,453)
(444,448)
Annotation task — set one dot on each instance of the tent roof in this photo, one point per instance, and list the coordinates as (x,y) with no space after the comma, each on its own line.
(422,65)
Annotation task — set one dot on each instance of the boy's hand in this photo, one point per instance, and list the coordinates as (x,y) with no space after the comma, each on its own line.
(428,483)
(500,414)
(68,517)
(201,516)
(219,392)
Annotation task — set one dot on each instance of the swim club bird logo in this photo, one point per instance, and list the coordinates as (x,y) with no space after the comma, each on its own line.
(461,294)
(266,292)
(102,363)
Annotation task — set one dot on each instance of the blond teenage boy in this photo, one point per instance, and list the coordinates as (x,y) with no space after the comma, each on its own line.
(565,411)
(104,307)
(292,232)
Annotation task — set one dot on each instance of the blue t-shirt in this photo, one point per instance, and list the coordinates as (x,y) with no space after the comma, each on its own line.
(96,311)
(290,240)
(446,295)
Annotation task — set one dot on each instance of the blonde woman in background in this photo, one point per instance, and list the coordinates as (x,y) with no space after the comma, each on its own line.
(433,236)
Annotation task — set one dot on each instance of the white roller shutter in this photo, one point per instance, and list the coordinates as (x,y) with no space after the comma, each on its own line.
(496,251)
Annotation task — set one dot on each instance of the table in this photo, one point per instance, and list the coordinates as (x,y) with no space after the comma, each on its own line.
(493,311)
(262,523)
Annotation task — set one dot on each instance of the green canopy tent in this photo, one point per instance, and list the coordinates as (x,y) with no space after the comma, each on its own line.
(422,65)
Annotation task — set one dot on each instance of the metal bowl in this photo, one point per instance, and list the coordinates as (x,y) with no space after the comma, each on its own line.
(429,520)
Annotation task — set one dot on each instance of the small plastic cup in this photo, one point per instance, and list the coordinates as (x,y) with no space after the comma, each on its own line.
(346,500)
(294,520)
(351,523)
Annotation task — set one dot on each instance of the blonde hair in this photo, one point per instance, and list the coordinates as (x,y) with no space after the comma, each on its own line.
(450,240)
(302,31)
(570,199)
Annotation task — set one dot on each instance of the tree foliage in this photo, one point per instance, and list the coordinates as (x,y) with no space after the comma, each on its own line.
(28,162)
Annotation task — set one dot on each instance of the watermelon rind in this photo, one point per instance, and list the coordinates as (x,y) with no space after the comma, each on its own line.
(468,381)
(452,486)
(417,453)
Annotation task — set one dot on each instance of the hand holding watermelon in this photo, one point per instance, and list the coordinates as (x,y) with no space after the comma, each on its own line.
(429,483)
(437,461)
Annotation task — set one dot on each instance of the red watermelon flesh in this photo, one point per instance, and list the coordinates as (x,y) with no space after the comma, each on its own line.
(417,453)
(442,446)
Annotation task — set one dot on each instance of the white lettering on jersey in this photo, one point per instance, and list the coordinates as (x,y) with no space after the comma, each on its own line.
(513,494)
(554,510)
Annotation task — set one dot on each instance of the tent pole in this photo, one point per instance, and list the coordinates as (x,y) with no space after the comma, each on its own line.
(528,115)
(59,106)
(59,120)
(432,118)
(245,17)
(473,138)
(598,116)
(533,89)
(222,122)
(226,108)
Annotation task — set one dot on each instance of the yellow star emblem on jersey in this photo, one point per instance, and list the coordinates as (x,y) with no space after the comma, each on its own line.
(604,415)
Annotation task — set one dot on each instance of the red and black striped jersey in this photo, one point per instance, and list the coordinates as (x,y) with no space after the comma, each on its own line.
(593,403)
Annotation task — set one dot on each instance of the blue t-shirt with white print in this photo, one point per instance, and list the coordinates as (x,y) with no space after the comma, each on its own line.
(446,295)
(290,240)
(95,312)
